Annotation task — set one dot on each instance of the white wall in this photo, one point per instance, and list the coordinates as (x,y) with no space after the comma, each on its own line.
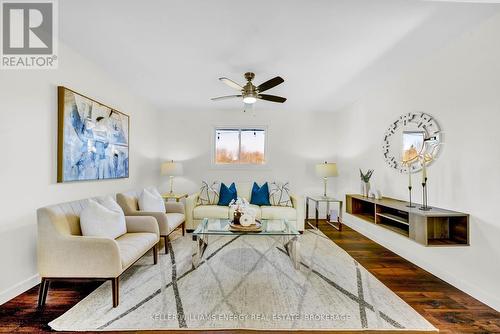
(459,86)
(28,133)
(296,142)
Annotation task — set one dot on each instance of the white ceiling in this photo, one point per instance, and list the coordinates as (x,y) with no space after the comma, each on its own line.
(329,52)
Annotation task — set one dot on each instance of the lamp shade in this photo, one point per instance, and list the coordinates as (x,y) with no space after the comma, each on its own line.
(327,169)
(171,168)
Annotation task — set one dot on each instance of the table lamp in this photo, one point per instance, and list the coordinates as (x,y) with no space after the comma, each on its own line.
(326,170)
(171,169)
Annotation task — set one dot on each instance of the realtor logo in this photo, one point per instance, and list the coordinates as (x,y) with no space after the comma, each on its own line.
(29,35)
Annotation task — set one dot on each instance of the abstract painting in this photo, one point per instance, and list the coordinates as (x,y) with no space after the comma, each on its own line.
(93,139)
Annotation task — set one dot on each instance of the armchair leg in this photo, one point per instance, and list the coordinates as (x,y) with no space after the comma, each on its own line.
(184,229)
(42,292)
(116,290)
(155,254)
(165,238)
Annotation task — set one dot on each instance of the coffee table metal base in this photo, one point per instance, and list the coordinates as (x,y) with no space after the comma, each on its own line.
(290,243)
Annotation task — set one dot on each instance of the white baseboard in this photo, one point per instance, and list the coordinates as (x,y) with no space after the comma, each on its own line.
(19,288)
(467,287)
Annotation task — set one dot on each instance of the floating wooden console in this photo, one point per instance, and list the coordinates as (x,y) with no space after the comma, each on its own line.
(436,227)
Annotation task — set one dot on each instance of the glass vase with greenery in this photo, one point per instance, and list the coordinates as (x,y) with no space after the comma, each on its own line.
(365,181)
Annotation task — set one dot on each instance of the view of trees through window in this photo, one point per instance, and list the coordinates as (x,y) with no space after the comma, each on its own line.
(240,146)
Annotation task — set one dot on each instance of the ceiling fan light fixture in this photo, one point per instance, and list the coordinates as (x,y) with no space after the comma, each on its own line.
(251,93)
(249,100)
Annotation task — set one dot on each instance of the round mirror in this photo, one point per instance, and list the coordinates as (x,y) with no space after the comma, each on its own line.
(410,139)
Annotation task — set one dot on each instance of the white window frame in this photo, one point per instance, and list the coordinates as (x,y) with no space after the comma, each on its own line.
(240,165)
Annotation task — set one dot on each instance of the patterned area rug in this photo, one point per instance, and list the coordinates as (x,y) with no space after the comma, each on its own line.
(246,282)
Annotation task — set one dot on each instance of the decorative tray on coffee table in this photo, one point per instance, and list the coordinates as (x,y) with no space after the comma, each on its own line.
(257,227)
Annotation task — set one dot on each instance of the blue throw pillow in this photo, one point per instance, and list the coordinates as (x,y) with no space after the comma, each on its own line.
(226,195)
(260,195)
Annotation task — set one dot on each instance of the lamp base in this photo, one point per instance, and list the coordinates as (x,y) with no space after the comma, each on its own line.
(324,187)
(171,185)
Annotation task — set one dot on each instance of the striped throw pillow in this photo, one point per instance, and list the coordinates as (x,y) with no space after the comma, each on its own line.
(209,193)
(279,194)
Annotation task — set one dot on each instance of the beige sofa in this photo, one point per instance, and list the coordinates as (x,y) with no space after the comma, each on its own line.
(167,221)
(63,253)
(196,213)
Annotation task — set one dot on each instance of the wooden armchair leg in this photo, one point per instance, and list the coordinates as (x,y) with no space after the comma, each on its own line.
(165,237)
(116,290)
(155,254)
(184,229)
(42,292)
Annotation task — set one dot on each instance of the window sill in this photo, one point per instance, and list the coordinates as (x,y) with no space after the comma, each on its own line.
(240,167)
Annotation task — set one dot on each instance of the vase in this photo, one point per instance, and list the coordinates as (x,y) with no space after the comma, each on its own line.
(365,188)
(236,217)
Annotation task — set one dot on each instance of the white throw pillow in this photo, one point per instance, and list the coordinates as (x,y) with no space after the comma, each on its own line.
(154,191)
(151,201)
(98,221)
(110,203)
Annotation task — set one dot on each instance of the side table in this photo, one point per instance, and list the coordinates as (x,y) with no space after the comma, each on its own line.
(176,197)
(327,200)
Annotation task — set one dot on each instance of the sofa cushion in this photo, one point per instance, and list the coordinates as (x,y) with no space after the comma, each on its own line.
(133,245)
(278,212)
(255,209)
(174,220)
(151,201)
(279,194)
(227,194)
(210,211)
(98,221)
(209,193)
(260,195)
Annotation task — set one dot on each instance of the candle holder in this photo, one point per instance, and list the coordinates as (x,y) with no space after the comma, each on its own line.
(424,206)
(410,205)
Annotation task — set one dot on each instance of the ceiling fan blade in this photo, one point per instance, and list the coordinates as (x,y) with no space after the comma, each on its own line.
(272,98)
(270,84)
(225,97)
(231,83)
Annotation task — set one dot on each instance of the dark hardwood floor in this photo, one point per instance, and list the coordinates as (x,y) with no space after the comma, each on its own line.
(446,307)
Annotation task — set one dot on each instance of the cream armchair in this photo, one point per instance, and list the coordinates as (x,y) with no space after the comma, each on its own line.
(167,221)
(64,254)
(196,213)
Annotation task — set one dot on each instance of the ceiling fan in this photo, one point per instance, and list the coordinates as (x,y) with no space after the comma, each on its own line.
(250,93)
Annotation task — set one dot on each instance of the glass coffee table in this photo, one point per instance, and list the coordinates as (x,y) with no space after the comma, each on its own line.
(270,228)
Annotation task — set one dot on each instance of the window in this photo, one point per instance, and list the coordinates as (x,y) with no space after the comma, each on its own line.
(240,146)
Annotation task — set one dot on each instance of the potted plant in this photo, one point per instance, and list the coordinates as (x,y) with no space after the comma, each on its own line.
(365,181)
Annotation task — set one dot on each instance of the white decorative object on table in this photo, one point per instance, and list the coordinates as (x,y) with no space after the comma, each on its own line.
(365,181)
(365,188)
(240,204)
(375,193)
(247,220)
